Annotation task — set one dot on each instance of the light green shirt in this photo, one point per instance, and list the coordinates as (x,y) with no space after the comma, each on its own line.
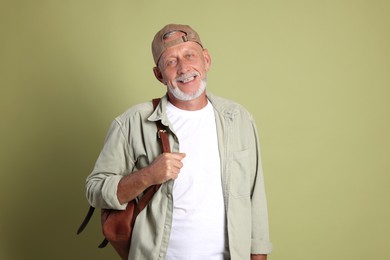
(132,144)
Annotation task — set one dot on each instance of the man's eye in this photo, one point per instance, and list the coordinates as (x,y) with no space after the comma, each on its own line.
(171,62)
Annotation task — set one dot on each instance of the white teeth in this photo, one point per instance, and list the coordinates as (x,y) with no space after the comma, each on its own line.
(188,79)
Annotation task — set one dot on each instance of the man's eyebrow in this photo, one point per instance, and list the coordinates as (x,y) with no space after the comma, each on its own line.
(168,57)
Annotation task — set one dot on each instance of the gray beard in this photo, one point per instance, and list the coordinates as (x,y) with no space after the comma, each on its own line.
(177,93)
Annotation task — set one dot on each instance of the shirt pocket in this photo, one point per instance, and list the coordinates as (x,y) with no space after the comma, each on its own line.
(239,174)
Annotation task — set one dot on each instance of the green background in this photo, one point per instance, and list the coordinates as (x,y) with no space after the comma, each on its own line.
(315,75)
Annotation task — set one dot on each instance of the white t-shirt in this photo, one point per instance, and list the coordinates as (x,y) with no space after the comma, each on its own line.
(198,226)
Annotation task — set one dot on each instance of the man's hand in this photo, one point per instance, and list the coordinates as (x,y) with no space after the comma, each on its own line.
(165,167)
(258,257)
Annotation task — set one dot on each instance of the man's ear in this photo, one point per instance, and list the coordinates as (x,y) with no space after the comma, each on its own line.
(158,75)
(207,59)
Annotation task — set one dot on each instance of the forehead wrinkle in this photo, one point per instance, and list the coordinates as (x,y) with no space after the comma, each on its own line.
(184,48)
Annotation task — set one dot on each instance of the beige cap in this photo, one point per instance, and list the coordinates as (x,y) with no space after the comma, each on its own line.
(159,45)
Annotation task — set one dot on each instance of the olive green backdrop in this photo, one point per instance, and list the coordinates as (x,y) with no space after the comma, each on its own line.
(315,75)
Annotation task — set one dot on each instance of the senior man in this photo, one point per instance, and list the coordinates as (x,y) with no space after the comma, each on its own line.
(212,203)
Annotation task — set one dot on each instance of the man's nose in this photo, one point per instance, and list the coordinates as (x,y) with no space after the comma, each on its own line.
(183,67)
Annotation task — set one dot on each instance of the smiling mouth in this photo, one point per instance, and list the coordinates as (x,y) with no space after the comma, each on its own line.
(187,78)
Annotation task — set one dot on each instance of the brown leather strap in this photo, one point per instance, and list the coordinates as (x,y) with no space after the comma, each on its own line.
(104,243)
(161,131)
(86,220)
(164,141)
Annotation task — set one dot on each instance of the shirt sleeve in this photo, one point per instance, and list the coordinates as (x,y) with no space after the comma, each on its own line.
(113,163)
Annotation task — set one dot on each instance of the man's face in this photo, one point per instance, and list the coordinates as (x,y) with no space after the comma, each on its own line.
(183,67)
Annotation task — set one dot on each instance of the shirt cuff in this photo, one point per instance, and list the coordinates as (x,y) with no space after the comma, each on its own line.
(261,247)
(109,193)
